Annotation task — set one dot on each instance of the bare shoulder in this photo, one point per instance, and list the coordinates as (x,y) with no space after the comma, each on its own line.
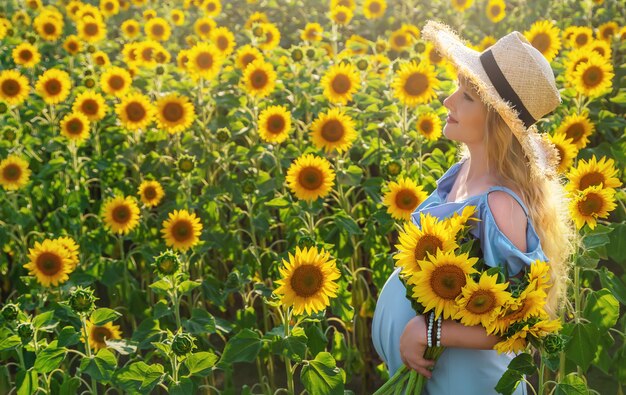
(509,217)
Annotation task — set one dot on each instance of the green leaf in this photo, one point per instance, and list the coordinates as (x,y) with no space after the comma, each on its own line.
(571,385)
(201,322)
(278,203)
(581,348)
(188,286)
(10,342)
(26,382)
(68,336)
(316,340)
(184,387)
(347,223)
(42,319)
(103,315)
(620,98)
(201,363)
(140,375)
(602,309)
(616,249)
(50,358)
(122,346)
(614,284)
(70,385)
(508,382)
(322,376)
(523,363)
(243,347)
(162,286)
(293,346)
(101,366)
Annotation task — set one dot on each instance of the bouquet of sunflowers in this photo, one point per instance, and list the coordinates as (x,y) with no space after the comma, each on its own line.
(443,271)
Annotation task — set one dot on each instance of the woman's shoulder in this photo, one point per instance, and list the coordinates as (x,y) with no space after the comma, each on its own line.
(509,214)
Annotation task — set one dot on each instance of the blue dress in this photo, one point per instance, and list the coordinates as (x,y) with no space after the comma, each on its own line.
(457,370)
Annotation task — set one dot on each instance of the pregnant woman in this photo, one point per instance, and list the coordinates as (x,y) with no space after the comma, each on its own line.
(508,171)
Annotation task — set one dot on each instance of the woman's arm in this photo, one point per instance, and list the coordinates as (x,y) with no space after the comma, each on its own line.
(455,334)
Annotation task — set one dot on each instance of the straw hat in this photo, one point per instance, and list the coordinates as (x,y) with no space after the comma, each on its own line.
(515,79)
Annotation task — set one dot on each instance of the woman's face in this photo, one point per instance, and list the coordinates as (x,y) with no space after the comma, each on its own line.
(466,114)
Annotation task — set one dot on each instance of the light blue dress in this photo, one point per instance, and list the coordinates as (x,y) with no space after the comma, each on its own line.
(458,371)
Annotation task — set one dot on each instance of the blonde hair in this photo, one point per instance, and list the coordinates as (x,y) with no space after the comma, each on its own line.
(546,200)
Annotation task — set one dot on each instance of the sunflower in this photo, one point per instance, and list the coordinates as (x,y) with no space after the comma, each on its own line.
(601,47)
(72,44)
(181,230)
(91,30)
(457,222)
(530,303)
(481,302)
(109,7)
(99,333)
(515,343)
(312,32)
(130,28)
(149,14)
(246,55)
(380,65)
(256,17)
(581,36)
(48,26)
(340,81)
(333,130)
(429,125)
(607,30)
(72,8)
(14,88)
(14,172)
(567,150)
(151,193)
(274,124)
(461,5)
(182,59)
(135,111)
(577,127)
(590,204)
(101,59)
(175,113)
(496,10)
(400,40)
(157,29)
(374,9)
(592,173)
(432,54)
(403,198)
(204,26)
(54,86)
(49,262)
(26,55)
(259,78)
(440,281)
(271,36)
(211,8)
(178,17)
(91,104)
(145,52)
(310,177)
(308,280)
(341,15)
(415,83)
(115,81)
(72,249)
(205,61)
(416,243)
(486,42)
(223,39)
(539,273)
(544,36)
(593,77)
(120,214)
(75,126)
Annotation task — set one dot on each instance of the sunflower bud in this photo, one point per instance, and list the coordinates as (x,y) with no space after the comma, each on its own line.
(296,54)
(10,311)
(73,212)
(3,108)
(167,263)
(381,46)
(182,344)
(232,280)
(248,186)
(222,135)
(91,49)
(25,331)
(82,300)
(32,39)
(186,163)
(419,47)
(306,241)
(89,83)
(345,61)
(362,64)
(394,168)
(257,31)
(553,343)
(310,53)
(160,70)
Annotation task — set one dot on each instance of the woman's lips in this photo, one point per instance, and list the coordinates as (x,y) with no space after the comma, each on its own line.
(451,120)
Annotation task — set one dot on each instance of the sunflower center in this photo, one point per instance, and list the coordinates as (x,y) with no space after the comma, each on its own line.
(100,333)
(173,112)
(222,42)
(75,126)
(149,193)
(276,124)
(481,302)
(49,28)
(90,107)
(332,130)
(311,34)
(307,280)
(542,42)
(340,16)
(592,204)
(210,7)
(259,79)
(406,200)
(341,84)
(12,172)
(26,55)
(495,10)
(561,153)
(204,28)
(426,126)
(581,39)
(182,230)
(204,61)
(427,244)
(400,40)
(116,82)
(135,112)
(109,6)
(72,46)
(158,30)
(53,86)
(146,54)
(575,132)
(447,281)
(10,87)
(91,29)
(592,76)
(121,214)
(130,29)
(311,178)
(416,84)
(434,56)
(247,59)
(100,60)
(589,179)
(375,7)
(49,263)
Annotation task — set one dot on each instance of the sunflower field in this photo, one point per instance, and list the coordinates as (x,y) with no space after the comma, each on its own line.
(203,196)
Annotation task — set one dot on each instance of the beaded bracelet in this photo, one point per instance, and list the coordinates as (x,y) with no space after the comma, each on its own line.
(433,335)
(430,329)
(439,324)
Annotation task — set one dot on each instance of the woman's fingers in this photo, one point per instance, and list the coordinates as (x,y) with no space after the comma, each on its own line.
(422,366)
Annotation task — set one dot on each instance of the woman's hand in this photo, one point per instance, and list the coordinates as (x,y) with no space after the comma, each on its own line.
(413,344)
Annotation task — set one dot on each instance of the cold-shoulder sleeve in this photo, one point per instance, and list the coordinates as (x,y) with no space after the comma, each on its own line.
(498,250)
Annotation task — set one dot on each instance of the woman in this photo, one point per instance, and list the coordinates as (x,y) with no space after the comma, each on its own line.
(508,171)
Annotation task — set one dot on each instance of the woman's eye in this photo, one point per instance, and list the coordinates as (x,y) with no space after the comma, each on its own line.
(467,97)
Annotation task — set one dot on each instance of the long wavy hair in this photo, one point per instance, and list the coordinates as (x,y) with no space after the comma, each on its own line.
(546,199)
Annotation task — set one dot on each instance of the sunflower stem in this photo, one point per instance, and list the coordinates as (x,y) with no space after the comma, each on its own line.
(94,385)
(392,381)
(288,370)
